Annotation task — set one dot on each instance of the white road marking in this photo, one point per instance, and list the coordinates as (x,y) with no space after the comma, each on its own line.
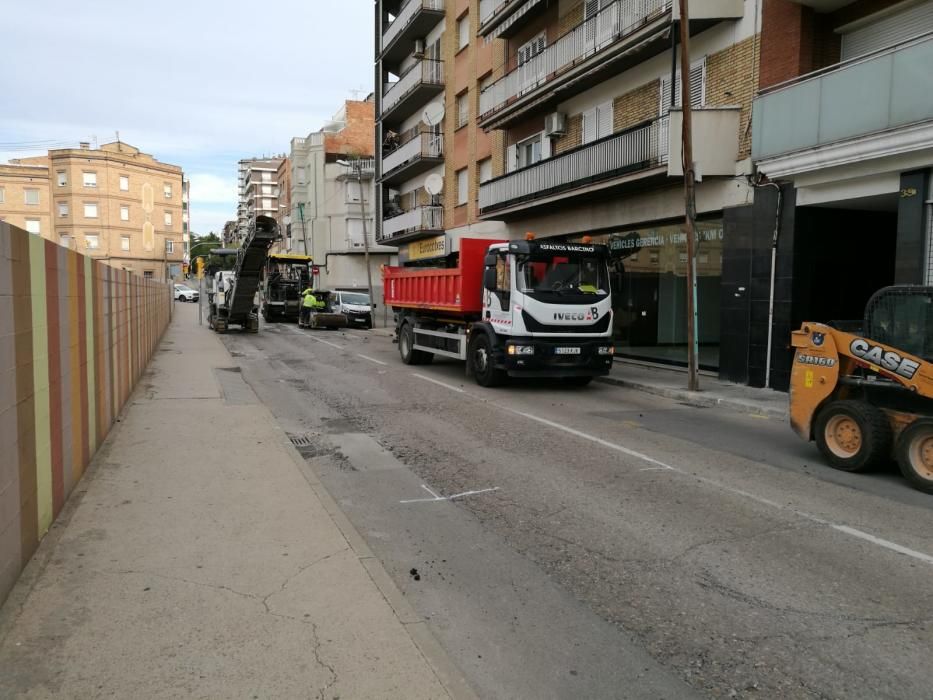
(662,466)
(435,497)
(887,544)
(371,359)
(327,342)
(443,384)
(592,438)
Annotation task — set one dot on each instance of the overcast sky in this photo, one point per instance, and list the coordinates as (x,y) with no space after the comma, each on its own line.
(196,83)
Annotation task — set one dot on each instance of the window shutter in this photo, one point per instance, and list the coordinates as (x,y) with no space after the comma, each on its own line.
(511,159)
(697,88)
(888,30)
(589,125)
(590,8)
(604,119)
(698,84)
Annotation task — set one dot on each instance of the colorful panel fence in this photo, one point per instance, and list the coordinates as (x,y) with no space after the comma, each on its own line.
(75,336)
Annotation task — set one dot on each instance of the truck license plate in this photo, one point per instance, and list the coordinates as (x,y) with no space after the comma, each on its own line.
(566,351)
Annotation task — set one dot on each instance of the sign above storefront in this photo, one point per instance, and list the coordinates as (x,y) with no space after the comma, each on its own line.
(424,250)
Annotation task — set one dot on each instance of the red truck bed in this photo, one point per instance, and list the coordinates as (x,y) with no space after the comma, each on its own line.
(457,290)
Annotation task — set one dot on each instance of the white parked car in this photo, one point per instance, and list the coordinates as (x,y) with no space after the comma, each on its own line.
(183,293)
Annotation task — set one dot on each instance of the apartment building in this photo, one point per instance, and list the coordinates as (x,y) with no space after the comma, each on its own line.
(113,203)
(562,118)
(332,202)
(257,190)
(24,198)
(186,220)
(844,124)
(283,177)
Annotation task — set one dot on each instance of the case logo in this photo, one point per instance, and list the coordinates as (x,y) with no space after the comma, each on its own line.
(887,359)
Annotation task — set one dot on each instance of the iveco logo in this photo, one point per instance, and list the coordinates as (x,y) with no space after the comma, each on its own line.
(590,315)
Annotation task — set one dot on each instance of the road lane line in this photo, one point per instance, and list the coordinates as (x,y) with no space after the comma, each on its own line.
(327,342)
(371,359)
(592,438)
(661,466)
(443,384)
(887,544)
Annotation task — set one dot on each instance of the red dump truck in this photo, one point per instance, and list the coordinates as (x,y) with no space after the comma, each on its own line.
(511,308)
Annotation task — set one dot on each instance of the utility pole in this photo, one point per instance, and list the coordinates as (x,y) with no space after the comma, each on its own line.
(304,234)
(693,379)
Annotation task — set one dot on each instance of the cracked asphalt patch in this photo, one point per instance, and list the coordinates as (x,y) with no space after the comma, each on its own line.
(735,597)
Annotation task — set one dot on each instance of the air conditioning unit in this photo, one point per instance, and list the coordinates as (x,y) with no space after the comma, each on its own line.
(419,48)
(555,124)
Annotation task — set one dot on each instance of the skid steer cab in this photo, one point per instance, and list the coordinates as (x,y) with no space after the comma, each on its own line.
(864,392)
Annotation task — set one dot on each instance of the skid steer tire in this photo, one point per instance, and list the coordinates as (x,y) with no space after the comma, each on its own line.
(853,436)
(915,454)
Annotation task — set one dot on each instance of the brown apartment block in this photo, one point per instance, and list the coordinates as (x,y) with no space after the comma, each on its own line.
(115,204)
(558,119)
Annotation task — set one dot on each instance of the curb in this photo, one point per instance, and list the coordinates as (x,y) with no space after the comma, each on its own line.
(700,400)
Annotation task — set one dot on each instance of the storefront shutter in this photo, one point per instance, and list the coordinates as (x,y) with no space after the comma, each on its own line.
(888,30)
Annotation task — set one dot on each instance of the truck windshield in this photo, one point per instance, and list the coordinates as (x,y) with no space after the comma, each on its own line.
(564,275)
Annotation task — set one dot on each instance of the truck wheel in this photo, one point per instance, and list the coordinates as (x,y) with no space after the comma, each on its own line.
(853,435)
(915,454)
(406,348)
(483,364)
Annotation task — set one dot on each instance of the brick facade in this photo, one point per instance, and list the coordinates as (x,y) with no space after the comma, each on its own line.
(636,106)
(730,80)
(570,19)
(356,138)
(573,137)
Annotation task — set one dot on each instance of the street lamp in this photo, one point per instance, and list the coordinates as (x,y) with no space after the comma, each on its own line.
(357,167)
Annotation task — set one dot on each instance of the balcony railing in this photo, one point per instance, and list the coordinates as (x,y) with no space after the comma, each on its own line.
(423,218)
(636,149)
(424,72)
(874,93)
(421,145)
(487,8)
(607,26)
(405,16)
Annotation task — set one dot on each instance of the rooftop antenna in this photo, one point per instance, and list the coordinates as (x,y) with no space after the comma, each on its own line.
(356,93)
(119,145)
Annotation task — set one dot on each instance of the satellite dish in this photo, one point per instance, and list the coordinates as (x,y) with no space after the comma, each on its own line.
(433,113)
(434,183)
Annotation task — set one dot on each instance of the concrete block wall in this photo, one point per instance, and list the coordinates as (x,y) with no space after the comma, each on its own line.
(75,337)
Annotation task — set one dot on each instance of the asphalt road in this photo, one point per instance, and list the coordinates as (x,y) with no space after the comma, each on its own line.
(604,543)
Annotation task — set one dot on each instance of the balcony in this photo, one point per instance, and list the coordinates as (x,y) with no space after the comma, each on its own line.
(498,17)
(415,223)
(848,112)
(649,150)
(417,85)
(624,28)
(414,21)
(421,152)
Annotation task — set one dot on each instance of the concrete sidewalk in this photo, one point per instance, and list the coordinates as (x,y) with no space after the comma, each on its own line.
(672,383)
(201,557)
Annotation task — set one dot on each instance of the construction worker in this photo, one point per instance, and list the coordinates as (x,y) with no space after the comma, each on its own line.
(309,302)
